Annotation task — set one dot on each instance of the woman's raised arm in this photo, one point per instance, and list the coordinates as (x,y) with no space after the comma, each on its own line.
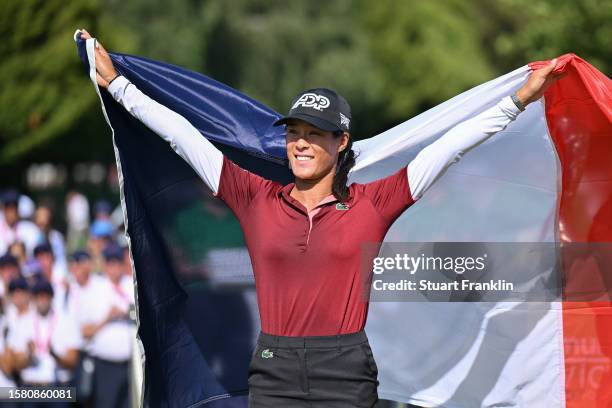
(434,159)
(184,138)
(431,162)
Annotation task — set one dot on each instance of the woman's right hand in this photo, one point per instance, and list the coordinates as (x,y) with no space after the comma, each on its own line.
(105,70)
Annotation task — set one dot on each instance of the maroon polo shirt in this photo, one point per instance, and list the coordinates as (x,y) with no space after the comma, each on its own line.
(307,266)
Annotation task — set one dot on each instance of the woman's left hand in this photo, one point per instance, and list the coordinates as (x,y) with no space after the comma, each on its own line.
(538,82)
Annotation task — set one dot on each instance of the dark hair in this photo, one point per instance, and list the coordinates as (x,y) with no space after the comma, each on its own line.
(346,161)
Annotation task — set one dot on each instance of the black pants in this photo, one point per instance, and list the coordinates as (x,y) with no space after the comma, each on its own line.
(313,371)
(111,384)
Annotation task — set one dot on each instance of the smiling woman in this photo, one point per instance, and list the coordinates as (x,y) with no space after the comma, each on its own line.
(319,146)
(305,238)
(312,152)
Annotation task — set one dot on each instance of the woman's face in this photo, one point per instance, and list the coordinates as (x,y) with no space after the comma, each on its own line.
(312,152)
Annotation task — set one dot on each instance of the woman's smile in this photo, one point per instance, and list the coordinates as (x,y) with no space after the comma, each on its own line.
(301,157)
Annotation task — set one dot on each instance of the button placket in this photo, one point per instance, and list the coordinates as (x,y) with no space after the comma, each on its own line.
(309,227)
(303,210)
(314,212)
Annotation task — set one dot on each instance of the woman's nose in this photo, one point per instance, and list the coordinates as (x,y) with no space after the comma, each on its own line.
(301,143)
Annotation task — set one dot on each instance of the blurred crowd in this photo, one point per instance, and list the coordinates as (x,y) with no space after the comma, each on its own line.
(67,300)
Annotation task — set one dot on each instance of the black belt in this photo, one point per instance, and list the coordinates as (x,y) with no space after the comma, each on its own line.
(336,340)
(116,363)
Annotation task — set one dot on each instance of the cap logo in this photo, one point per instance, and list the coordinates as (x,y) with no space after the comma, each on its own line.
(344,121)
(312,100)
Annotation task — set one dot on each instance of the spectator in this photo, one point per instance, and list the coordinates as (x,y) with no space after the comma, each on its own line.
(83,289)
(12,228)
(77,218)
(25,207)
(9,270)
(102,210)
(18,250)
(43,217)
(45,257)
(85,284)
(101,308)
(45,345)
(101,234)
(114,270)
(112,345)
(18,307)
(43,253)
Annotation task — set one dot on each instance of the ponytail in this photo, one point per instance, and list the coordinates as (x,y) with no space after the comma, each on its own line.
(346,161)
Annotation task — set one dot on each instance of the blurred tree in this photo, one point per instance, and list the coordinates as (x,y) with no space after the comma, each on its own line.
(282,48)
(548,28)
(172,31)
(429,51)
(391,59)
(269,50)
(44,91)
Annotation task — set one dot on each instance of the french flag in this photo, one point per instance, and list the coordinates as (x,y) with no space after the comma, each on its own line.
(547,177)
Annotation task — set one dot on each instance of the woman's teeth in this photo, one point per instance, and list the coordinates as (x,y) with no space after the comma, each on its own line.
(303,158)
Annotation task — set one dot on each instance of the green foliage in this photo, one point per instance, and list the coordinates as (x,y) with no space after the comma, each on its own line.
(391,59)
(547,28)
(287,47)
(172,31)
(44,90)
(270,50)
(429,51)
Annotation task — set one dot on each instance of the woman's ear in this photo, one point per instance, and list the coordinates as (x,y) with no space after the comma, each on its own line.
(343,142)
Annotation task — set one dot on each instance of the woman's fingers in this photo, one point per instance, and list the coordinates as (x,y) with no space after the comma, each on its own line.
(538,82)
(546,70)
(551,76)
(85,35)
(101,48)
(104,65)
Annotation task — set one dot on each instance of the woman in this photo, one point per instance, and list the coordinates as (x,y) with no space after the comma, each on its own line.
(305,238)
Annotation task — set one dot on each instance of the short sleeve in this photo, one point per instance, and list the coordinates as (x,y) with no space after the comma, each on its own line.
(238,186)
(127,286)
(390,195)
(68,336)
(19,335)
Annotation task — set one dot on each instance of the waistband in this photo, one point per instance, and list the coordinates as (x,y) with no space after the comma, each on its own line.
(111,362)
(336,340)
